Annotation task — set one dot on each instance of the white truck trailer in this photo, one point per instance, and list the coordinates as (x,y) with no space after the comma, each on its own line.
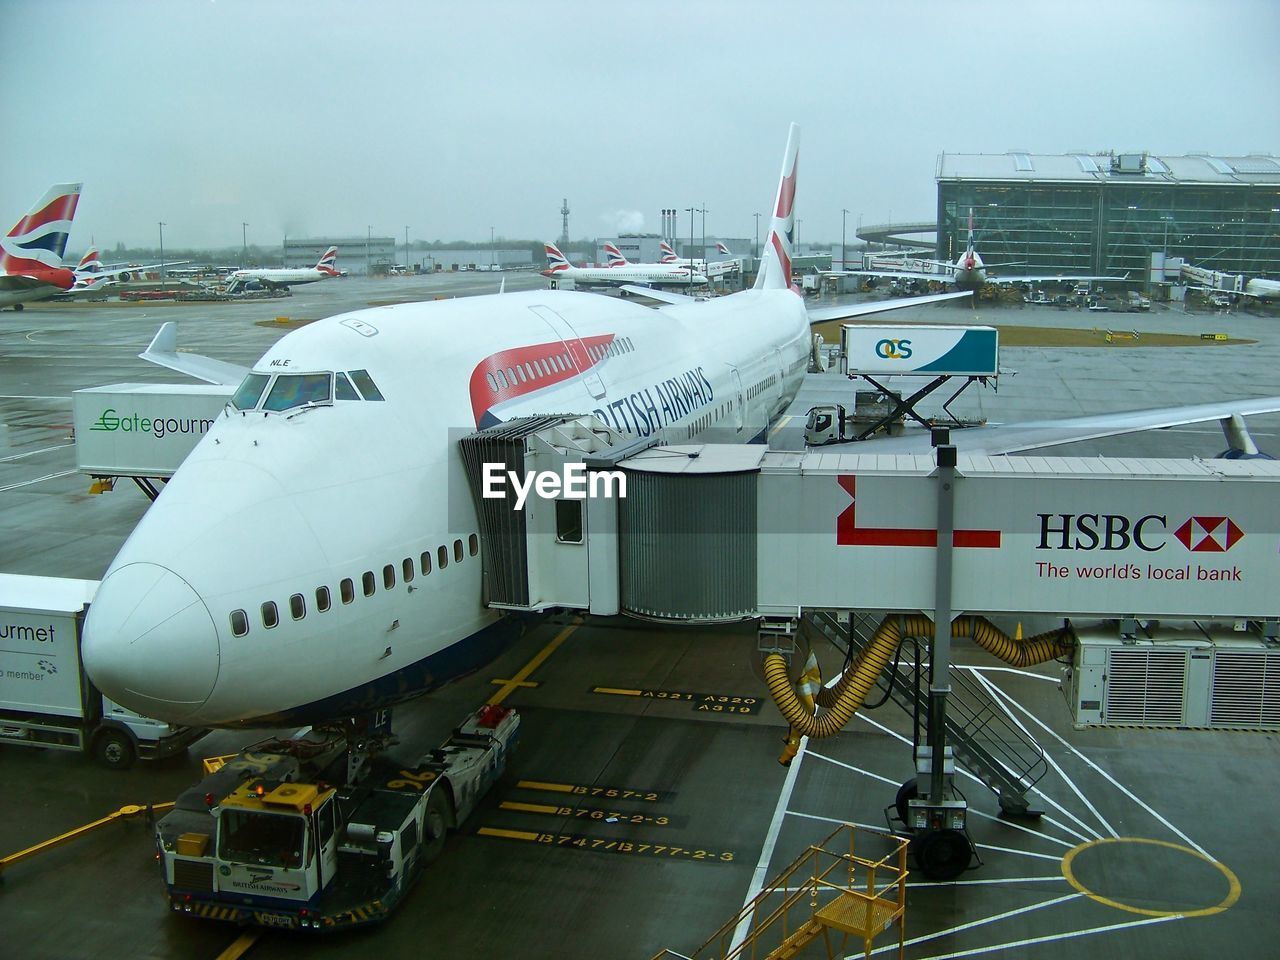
(46,699)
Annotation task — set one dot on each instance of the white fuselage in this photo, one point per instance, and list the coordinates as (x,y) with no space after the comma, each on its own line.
(652,274)
(283,277)
(1263,289)
(273,506)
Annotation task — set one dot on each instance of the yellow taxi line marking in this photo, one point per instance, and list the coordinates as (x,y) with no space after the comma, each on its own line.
(543,785)
(529,807)
(779,425)
(618,690)
(532,665)
(241,945)
(499,681)
(508,834)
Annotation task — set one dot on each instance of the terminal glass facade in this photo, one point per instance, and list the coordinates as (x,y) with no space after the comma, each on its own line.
(1113,227)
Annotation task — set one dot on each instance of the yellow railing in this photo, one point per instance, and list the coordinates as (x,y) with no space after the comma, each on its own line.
(853,883)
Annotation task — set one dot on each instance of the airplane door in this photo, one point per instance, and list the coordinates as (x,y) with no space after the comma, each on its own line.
(326,824)
(740,405)
(581,362)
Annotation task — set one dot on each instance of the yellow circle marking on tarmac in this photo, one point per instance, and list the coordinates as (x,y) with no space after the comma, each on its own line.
(1233,882)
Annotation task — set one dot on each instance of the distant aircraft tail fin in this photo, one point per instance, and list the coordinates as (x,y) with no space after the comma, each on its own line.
(556,260)
(89,263)
(721,248)
(668,253)
(328,262)
(39,240)
(968,248)
(775,262)
(614,257)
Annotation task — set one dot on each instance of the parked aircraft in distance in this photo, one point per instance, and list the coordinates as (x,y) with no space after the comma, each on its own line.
(970,273)
(620,272)
(92,275)
(308,561)
(1235,285)
(715,268)
(31,266)
(326,267)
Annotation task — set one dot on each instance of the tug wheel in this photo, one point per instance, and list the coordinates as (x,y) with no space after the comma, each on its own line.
(942,854)
(435,824)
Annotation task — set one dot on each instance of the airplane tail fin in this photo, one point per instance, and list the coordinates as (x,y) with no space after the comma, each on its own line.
(775,261)
(89,263)
(969,242)
(555,259)
(721,248)
(328,262)
(614,257)
(39,240)
(668,253)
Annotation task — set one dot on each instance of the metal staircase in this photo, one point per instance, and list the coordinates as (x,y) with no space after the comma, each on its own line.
(982,738)
(853,884)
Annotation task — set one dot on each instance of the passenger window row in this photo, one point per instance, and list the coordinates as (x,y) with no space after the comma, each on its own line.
(368,585)
(529,371)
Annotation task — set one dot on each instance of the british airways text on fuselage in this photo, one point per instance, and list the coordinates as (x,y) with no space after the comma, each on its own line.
(650,409)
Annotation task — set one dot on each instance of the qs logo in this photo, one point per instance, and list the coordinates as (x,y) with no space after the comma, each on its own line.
(893,349)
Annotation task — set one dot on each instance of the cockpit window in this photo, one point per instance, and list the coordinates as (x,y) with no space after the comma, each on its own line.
(342,388)
(250,391)
(296,390)
(364,383)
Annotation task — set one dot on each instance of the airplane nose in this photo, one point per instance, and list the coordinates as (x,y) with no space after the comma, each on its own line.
(149,642)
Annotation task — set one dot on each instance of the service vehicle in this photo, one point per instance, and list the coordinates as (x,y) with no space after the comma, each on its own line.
(285,835)
(46,699)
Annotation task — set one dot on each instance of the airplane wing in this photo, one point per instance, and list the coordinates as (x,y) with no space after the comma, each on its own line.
(117,271)
(163,351)
(1054,278)
(895,274)
(849,311)
(653,293)
(995,439)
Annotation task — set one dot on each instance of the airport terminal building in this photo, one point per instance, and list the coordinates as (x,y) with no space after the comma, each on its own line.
(1081,213)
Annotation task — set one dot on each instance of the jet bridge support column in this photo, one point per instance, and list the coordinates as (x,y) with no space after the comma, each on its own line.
(940,843)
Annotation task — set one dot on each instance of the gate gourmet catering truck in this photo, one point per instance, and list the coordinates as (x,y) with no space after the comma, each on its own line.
(287,834)
(46,700)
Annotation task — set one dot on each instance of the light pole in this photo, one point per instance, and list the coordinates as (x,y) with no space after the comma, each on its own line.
(703,211)
(755,247)
(162,271)
(491,248)
(244,244)
(691,211)
(844,214)
(406,247)
(368,236)
(796,239)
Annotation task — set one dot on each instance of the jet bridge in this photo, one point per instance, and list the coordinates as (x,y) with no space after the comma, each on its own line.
(705,533)
(725,532)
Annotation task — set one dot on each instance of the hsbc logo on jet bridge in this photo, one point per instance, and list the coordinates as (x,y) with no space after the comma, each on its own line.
(1088,532)
(1112,531)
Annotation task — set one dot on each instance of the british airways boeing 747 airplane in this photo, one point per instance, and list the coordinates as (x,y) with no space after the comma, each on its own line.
(301,565)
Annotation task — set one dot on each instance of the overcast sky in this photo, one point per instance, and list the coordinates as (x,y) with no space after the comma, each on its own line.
(327,118)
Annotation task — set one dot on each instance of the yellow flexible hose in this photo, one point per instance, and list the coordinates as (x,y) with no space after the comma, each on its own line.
(844,699)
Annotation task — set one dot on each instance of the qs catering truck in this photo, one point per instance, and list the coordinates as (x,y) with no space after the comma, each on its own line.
(286,835)
(46,699)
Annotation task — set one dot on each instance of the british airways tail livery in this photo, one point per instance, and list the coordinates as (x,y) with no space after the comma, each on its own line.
(31,266)
(303,564)
(621,272)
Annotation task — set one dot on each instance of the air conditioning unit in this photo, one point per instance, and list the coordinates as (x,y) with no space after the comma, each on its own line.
(1178,675)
